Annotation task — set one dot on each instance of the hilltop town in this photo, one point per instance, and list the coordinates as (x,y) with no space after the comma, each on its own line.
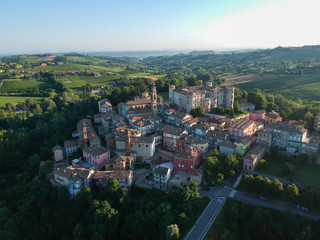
(159,144)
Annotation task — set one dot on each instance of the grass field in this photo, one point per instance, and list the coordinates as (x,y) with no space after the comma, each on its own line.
(73,81)
(306,173)
(16,84)
(14,100)
(164,95)
(79,67)
(305,86)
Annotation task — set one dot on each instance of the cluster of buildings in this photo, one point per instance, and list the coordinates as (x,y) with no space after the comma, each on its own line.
(167,137)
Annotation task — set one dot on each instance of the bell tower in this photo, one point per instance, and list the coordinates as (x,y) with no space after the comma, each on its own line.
(154,99)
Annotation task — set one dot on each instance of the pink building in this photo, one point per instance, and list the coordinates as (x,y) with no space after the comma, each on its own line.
(258,115)
(252,158)
(242,128)
(95,157)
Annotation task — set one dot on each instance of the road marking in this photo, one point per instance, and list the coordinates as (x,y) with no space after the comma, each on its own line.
(213,218)
(228,187)
(233,192)
(186,237)
(220,199)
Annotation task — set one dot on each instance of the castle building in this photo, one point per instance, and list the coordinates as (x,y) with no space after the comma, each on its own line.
(207,96)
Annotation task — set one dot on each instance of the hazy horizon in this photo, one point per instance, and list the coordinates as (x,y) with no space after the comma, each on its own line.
(36,26)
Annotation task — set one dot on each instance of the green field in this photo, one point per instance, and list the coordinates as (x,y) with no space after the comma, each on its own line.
(305,86)
(73,81)
(79,67)
(305,173)
(164,95)
(11,85)
(14,100)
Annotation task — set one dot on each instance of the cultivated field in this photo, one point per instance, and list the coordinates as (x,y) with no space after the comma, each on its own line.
(79,67)
(73,81)
(305,86)
(12,85)
(14,100)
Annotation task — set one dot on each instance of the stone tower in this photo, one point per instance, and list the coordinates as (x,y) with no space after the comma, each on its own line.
(171,93)
(85,134)
(128,144)
(229,97)
(154,99)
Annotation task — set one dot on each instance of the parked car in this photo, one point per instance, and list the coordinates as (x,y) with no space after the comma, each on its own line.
(264,198)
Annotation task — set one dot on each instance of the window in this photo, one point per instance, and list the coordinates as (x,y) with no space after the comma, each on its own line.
(147,145)
(139,145)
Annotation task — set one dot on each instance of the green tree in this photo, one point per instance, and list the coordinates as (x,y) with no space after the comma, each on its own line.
(38,109)
(198,112)
(292,192)
(172,232)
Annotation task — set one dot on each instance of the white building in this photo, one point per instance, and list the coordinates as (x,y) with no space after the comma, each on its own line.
(209,97)
(162,175)
(105,106)
(76,179)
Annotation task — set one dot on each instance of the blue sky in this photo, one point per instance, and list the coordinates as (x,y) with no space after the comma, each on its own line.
(82,25)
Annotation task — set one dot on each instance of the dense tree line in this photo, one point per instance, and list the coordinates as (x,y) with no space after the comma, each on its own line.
(243,221)
(309,198)
(303,111)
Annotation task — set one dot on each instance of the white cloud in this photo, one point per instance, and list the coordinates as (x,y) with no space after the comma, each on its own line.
(285,23)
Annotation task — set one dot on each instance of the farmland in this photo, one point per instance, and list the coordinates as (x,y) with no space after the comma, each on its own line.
(12,85)
(14,99)
(79,67)
(74,81)
(292,86)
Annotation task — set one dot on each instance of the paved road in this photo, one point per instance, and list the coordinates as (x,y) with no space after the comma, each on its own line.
(255,200)
(204,222)
(218,197)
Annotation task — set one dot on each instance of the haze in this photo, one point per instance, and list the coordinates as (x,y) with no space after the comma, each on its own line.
(64,26)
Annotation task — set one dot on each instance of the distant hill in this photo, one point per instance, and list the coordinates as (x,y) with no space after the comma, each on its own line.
(137,54)
(279,54)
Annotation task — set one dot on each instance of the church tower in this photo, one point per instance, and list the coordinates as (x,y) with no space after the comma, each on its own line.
(85,134)
(128,144)
(154,99)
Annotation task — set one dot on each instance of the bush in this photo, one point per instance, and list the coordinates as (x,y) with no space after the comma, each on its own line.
(263,164)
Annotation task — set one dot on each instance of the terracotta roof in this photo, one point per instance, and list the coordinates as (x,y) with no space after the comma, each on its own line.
(227,144)
(113,174)
(259,111)
(163,171)
(138,102)
(254,151)
(191,139)
(142,139)
(169,129)
(140,110)
(273,115)
(286,127)
(105,103)
(95,150)
(242,123)
(74,173)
